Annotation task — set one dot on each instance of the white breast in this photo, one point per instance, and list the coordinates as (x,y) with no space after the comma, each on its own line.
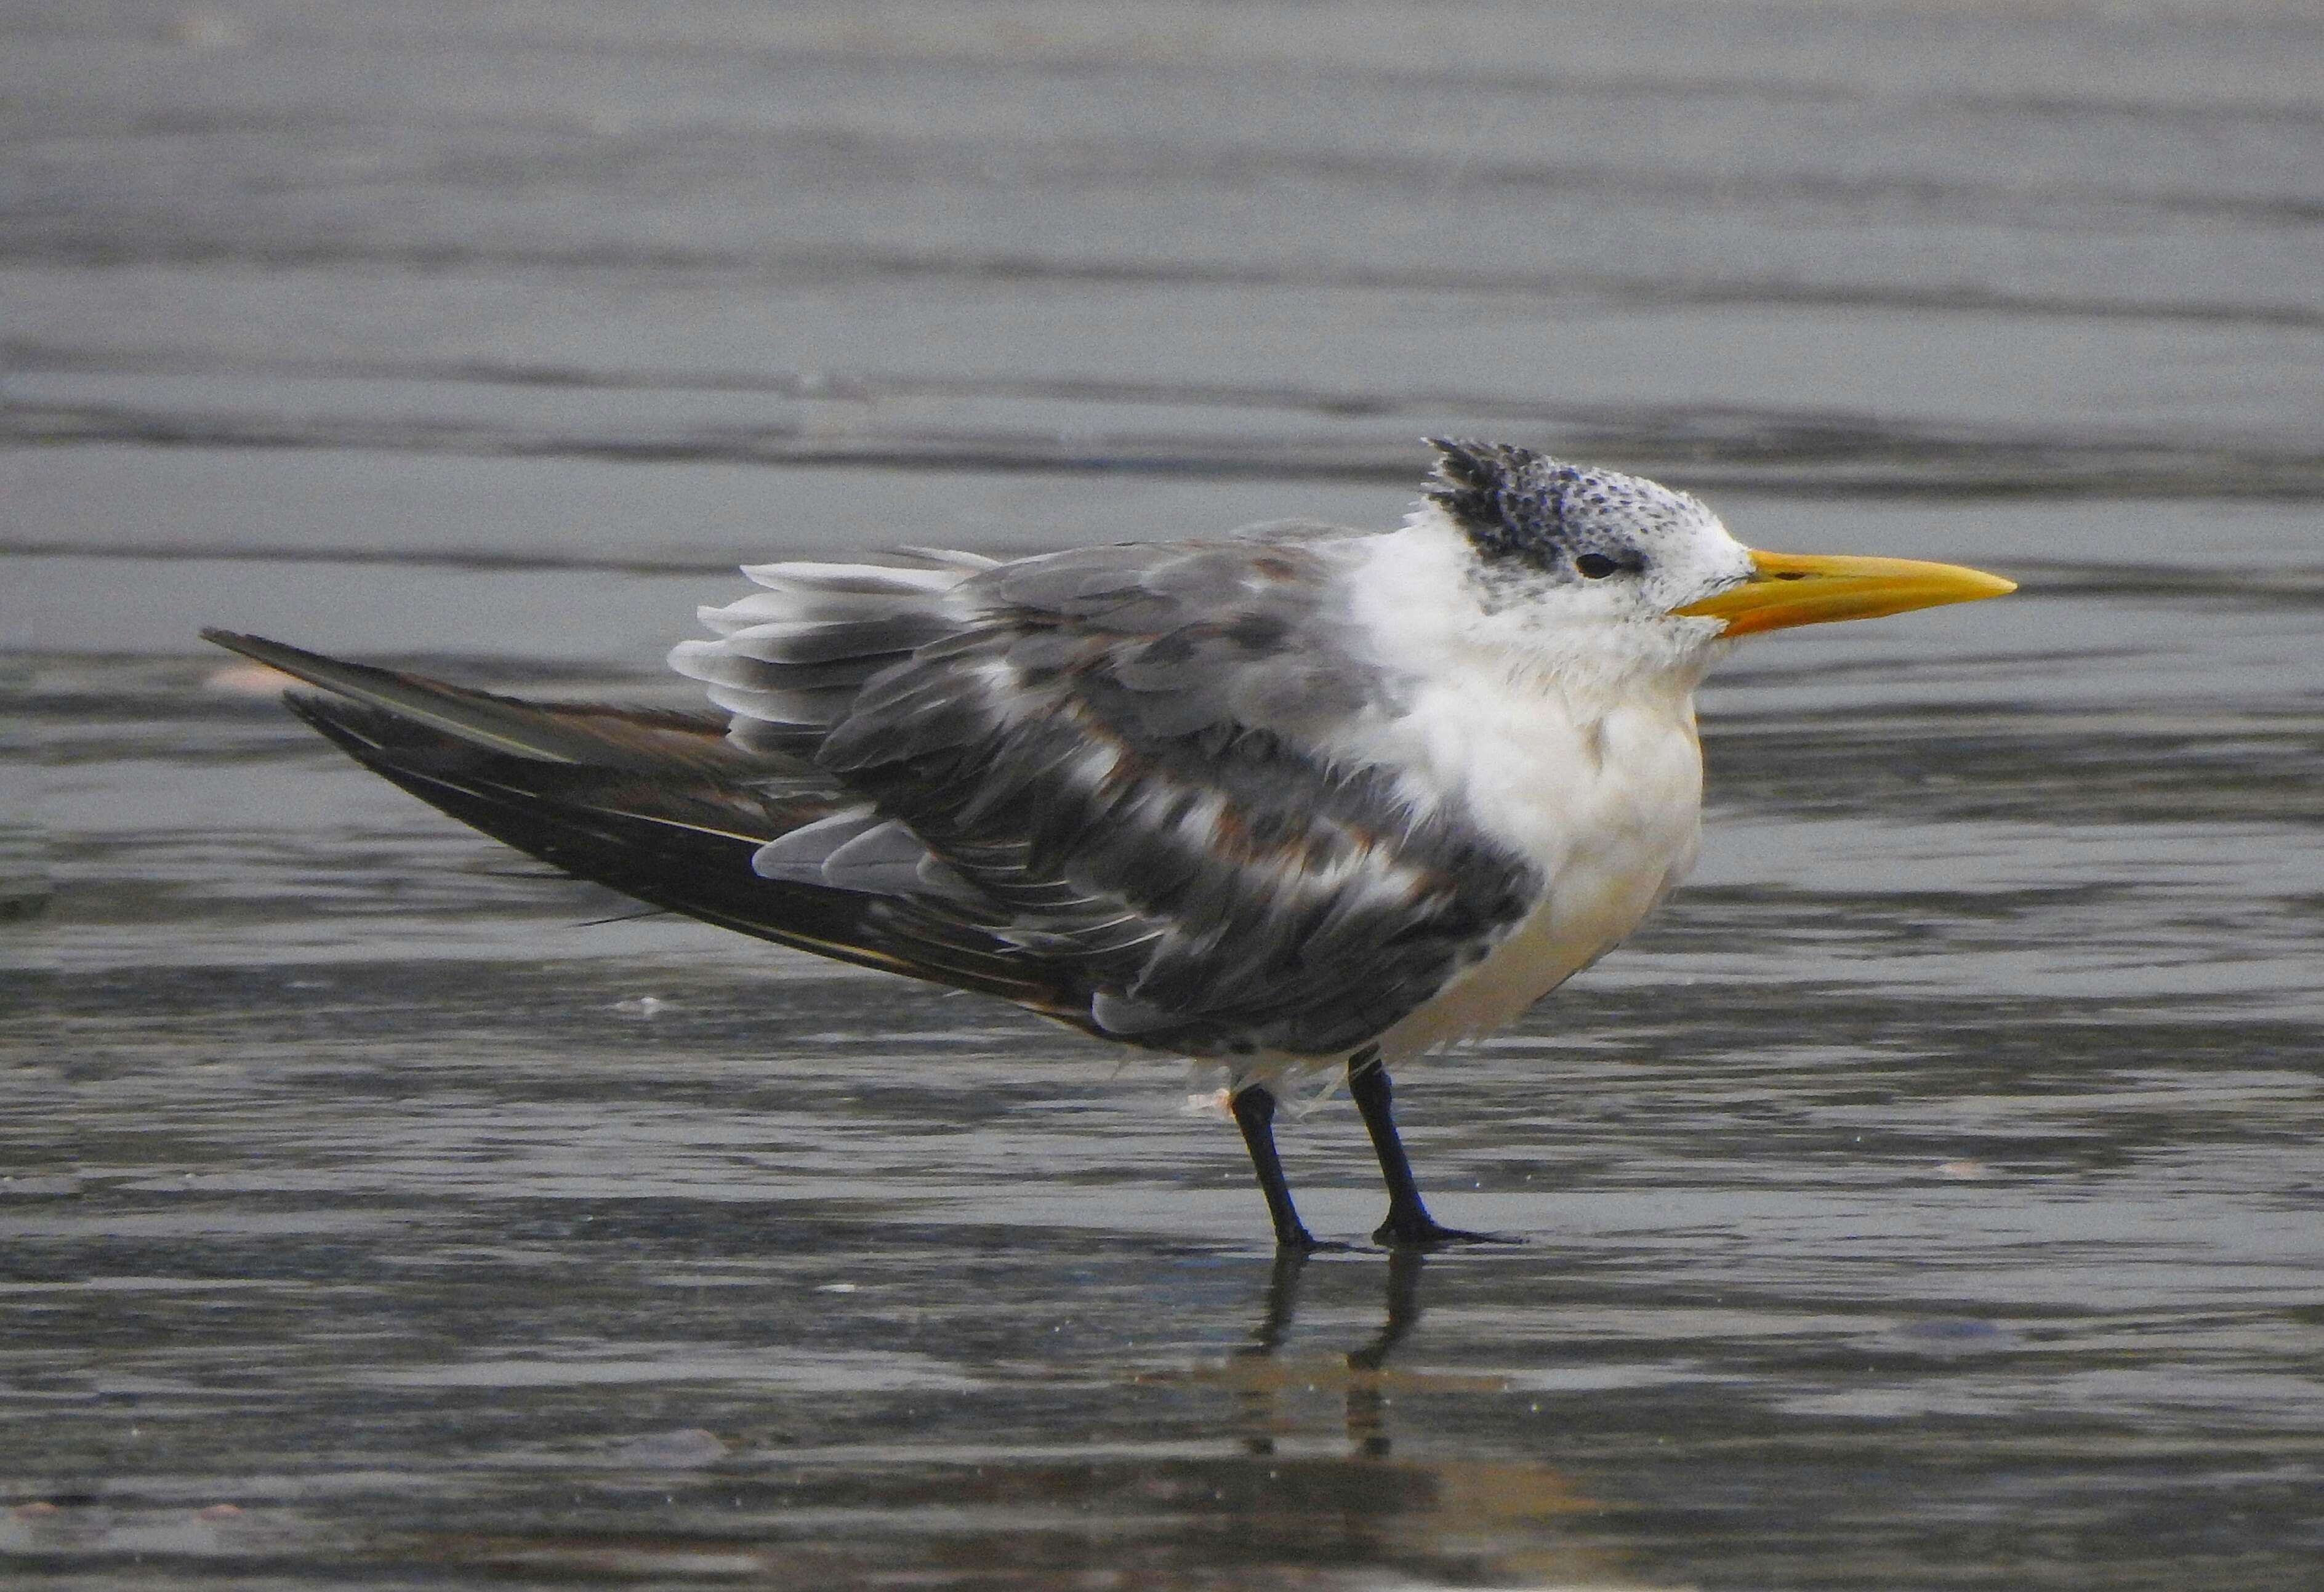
(1617,839)
(1600,789)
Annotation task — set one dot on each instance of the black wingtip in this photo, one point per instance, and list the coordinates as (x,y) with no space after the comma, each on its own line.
(275,655)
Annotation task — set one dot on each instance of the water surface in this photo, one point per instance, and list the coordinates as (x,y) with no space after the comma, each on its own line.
(1928,1198)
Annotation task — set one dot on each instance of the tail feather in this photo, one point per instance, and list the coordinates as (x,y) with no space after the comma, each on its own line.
(583,733)
(675,835)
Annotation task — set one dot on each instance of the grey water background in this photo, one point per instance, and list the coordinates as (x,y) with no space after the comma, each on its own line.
(1929,1196)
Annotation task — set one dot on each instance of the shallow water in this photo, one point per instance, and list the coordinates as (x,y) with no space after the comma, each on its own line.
(1928,1198)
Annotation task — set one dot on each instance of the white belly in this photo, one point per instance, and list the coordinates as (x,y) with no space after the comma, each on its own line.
(1565,934)
(1614,840)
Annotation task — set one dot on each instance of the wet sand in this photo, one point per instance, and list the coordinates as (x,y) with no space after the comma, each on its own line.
(1928,1198)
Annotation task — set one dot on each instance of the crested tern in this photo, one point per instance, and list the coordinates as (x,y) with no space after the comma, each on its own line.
(1292,798)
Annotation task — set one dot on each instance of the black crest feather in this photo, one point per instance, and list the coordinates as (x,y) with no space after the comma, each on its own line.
(1511,500)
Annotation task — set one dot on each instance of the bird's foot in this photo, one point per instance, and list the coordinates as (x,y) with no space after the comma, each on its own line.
(1304,1243)
(1425,1232)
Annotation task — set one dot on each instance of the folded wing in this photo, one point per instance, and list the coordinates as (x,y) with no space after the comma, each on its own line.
(1146,761)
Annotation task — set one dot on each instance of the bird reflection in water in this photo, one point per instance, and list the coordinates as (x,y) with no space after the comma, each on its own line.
(1365,1383)
(1361,1497)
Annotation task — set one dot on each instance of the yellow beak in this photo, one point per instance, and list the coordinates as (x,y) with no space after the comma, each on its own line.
(1812,589)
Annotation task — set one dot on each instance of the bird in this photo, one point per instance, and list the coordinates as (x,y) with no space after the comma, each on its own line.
(1296,799)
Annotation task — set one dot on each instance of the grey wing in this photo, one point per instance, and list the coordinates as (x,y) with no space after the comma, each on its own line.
(1115,759)
(790,658)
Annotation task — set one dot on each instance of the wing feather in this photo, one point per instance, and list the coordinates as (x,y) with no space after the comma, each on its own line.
(1140,754)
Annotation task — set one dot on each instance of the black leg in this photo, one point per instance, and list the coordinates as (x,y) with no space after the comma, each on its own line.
(1408,1221)
(1254,1113)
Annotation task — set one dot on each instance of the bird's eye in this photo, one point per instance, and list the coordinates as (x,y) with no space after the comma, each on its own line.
(1595,565)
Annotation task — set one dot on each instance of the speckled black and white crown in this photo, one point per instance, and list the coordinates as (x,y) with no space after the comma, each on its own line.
(1518,505)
